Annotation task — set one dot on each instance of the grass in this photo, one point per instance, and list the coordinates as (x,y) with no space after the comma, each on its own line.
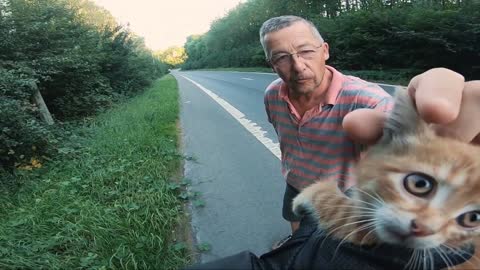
(108,204)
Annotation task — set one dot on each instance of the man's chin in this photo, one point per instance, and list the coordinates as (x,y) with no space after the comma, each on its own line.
(303,87)
(303,90)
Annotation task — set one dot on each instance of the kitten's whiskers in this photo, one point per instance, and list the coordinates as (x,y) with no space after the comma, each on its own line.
(359,200)
(444,256)
(363,227)
(372,230)
(431,259)
(348,205)
(351,217)
(347,224)
(376,198)
(412,263)
(459,252)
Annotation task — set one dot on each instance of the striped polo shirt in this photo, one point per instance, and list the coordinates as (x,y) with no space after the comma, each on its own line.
(315,147)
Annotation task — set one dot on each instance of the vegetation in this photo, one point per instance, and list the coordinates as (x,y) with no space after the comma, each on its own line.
(108,202)
(103,192)
(80,60)
(378,37)
(96,189)
(173,56)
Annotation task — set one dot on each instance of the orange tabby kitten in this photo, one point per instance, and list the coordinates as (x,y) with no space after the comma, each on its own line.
(414,189)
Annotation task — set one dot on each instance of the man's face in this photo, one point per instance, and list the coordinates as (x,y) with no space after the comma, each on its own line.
(302,74)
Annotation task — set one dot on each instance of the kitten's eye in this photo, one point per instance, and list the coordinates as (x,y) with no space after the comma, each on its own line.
(469,219)
(419,184)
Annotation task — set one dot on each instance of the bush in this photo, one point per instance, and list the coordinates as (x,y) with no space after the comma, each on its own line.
(22,135)
(80,65)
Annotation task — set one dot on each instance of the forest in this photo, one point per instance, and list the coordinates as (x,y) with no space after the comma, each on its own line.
(378,39)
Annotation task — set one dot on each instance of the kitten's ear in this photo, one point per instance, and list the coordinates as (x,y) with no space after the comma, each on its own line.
(404,127)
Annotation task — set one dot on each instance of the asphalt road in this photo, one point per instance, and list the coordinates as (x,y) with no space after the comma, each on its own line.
(235,168)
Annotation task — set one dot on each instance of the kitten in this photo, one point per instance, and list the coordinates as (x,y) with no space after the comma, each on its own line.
(414,189)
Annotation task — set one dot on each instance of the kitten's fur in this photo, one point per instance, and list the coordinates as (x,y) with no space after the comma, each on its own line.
(444,173)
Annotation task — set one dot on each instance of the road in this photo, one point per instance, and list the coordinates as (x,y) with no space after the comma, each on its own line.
(235,166)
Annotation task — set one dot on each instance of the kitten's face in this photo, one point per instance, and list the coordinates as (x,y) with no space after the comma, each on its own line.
(425,197)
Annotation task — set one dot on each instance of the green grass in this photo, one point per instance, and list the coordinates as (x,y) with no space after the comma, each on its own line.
(108,205)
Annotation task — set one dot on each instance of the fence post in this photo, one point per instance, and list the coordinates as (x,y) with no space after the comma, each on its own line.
(42,107)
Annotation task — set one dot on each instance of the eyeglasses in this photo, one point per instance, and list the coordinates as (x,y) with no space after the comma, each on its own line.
(285,59)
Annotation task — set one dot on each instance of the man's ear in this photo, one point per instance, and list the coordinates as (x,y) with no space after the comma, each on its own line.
(404,127)
(270,64)
(326,50)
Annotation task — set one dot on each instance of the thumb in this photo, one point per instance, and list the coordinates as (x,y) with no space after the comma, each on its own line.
(364,125)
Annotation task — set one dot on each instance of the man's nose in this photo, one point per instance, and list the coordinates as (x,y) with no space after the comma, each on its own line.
(297,62)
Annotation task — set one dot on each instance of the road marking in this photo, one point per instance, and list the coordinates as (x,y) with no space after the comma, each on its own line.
(248,79)
(250,126)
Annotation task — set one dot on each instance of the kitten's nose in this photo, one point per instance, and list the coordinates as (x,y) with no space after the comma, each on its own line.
(419,229)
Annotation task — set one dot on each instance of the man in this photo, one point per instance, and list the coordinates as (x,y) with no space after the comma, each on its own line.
(307,106)
(316,110)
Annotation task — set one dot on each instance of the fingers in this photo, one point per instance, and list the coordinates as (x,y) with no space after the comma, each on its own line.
(452,105)
(364,126)
(438,100)
(466,127)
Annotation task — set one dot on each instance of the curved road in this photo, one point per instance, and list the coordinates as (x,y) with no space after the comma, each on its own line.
(235,166)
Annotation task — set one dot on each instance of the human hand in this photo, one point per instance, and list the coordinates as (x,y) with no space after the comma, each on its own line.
(441,97)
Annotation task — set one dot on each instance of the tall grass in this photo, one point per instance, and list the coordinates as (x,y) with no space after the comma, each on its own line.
(108,205)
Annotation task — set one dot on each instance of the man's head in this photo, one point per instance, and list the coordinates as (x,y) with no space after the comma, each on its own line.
(277,23)
(296,51)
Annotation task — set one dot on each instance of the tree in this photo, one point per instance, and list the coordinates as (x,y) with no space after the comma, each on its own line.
(173,56)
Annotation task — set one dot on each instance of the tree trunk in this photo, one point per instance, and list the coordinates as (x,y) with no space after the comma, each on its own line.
(42,107)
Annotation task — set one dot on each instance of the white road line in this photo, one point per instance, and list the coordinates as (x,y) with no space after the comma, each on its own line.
(250,126)
(248,79)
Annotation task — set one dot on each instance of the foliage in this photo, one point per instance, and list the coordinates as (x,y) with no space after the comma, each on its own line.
(363,35)
(103,203)
(22,135)
(407,38)
(78,57)
(173,56)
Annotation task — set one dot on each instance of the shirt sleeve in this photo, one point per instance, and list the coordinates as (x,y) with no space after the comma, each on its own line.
(267,108)
(384,105)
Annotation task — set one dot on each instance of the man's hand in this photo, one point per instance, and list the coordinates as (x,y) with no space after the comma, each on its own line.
(442,98)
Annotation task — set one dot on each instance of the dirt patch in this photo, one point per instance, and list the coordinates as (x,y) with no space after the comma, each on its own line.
(184,231)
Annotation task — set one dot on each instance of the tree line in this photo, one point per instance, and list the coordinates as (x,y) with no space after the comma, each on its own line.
(402,37)
(74,55)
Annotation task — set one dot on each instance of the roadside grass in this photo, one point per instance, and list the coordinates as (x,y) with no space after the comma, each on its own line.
(109,204)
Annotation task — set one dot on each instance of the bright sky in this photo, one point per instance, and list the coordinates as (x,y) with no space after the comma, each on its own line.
(165,23)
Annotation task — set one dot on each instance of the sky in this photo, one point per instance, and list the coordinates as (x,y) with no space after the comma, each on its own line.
(166,23)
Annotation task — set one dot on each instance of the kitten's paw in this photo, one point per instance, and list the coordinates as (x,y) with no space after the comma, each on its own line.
(301,205)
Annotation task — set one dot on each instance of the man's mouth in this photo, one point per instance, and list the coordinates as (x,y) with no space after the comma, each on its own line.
(302,80)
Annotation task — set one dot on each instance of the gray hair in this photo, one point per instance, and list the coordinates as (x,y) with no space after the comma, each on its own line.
(277,23)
